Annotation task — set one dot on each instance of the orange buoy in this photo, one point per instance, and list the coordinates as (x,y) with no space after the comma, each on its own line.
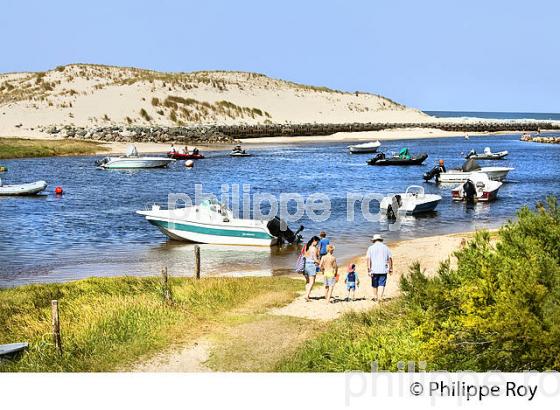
(58,190)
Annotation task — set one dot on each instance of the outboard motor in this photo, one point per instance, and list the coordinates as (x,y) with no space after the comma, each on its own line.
(393,208)
(100,162)
(469,191)
(275,226)
(434,172)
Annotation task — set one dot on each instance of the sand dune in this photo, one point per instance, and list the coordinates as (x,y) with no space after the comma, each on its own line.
(94,95)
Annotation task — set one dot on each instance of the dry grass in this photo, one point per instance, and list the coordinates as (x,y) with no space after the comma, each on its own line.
(28,148)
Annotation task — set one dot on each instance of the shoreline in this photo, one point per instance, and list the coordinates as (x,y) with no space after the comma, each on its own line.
(111,148)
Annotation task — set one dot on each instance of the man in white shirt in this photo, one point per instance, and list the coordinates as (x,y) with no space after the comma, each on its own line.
(379,264)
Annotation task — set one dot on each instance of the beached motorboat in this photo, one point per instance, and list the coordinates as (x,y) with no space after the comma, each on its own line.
(469,168)
(487,154)
(237,151)
(397,159)
(12,349)
(413,202)
(133,160)
(32,188)
(213,223)
(365,148)
(478,188)
(184,156)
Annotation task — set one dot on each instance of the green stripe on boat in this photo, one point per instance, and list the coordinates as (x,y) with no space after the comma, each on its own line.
(211,231)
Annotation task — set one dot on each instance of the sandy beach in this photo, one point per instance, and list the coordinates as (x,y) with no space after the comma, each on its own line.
(428,251)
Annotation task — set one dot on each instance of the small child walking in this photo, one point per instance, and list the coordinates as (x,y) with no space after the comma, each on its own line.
(330,268)
(352,281)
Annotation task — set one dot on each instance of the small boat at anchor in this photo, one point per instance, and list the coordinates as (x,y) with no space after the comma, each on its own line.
(487,154)
(365,148)
(213,223)
(32,188)
(478,188)
(185,156)
(413,202)
(132,160)
(237,151)
(469,168)
(401,158)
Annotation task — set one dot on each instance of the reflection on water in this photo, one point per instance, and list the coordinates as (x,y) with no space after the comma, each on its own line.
(93,228)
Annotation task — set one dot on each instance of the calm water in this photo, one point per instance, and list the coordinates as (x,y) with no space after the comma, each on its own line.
(93,228)
(497,115)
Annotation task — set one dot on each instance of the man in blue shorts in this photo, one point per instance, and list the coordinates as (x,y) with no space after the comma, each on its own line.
(379,264)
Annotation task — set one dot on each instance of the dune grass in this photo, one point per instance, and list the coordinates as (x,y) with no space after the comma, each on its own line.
(29,148)
(110,323)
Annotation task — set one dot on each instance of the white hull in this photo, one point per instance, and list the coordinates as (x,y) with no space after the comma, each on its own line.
(486,189)
(414,201)
(494,173)
(32,188)
(366,148)
(211,225)
(140,162)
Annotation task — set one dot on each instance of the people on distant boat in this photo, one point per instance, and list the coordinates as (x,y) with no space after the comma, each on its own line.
(173,148)
(184,150)
(379,264)
(330,270)
(323,243)
(442,166)
(404,154)
(311,255)
(352,281)
(195,151)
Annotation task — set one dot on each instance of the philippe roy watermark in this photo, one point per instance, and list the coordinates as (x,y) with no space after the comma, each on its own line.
(292,207)
(411,380)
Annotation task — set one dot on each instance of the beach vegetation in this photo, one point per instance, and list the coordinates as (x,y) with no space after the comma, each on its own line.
(144,114)
(497,310)
(111,323)
(28,148)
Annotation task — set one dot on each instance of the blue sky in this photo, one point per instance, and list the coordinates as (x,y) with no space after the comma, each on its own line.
(434,55)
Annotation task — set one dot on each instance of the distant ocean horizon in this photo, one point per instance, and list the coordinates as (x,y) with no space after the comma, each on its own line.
(496,115)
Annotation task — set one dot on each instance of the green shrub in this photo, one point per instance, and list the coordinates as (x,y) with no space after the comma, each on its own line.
(498,310)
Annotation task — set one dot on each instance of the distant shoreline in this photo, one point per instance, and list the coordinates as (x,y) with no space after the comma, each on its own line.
(105,147)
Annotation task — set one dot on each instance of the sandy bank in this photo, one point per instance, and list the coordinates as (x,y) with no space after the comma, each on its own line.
(428,251)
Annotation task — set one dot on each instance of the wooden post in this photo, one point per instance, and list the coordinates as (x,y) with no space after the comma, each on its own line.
(197,261)
(165,285)
(56,326)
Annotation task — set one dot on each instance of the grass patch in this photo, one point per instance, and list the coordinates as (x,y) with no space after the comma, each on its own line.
(28,148)
(109,323)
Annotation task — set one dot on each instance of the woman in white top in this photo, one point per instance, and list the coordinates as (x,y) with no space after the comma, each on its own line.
(311,262)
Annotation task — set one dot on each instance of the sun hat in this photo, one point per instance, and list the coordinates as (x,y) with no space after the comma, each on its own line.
(376,237)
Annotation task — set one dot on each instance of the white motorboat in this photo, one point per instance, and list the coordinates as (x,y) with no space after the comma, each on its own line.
(240,154)
(213,223)
(469,168)
(457,175)
(237,151)
(487,154)
(414,201)
(478,188)
(365,148)
(133,160)
(32,188)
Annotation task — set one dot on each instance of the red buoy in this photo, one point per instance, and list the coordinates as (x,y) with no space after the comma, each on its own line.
(58,190)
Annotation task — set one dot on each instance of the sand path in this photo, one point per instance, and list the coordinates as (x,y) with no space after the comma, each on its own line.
(428,251)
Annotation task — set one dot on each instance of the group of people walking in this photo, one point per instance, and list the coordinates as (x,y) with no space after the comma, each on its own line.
(318,258)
